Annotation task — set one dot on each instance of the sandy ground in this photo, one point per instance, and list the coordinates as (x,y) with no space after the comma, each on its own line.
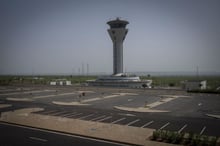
(83,102)
(19,99)
(68,103)
(5,105)
(214,116)
(114,132)
(26,92)
(138,109)
(85,91)
(46,96)
(147,108)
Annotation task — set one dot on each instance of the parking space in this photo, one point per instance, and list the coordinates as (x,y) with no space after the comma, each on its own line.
(176,127)
(100,103)
(192,128)
(131,121)
(139,100)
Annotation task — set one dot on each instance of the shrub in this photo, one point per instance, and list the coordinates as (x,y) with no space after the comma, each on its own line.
(196,140)
(204,140)
(177,137)
(188,139)
(213,141)
(155,135)
(171,84)
(163,135)
(169,136)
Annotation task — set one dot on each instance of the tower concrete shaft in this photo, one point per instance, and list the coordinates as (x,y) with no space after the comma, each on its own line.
(117,33)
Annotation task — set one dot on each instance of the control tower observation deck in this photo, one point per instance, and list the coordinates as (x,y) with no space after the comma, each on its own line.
(117,33)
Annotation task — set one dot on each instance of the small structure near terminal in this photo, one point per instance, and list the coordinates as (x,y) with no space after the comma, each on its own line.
(121,80)
(195,85)
(62,82)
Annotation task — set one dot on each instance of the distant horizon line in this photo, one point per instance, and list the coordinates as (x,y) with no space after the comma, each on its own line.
(138,73)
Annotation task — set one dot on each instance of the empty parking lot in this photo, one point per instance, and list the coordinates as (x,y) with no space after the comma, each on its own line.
(174,110)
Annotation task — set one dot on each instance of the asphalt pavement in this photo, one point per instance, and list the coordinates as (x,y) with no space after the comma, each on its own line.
(185,114)
(15,135)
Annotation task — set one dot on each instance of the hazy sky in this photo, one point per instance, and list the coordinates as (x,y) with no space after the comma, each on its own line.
(58,36)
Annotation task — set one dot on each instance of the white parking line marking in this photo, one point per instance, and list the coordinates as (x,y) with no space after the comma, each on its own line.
(48,112)
(130,115)
(57,113)
(73,115)
(38,139)
(182,128)
(86,116)
(104,119)
(164,126)
(203,129)
(66,115)
(147,124)
(98,118)
(118,120)
(133,122)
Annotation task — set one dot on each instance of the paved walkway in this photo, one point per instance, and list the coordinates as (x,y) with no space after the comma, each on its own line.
(112,132)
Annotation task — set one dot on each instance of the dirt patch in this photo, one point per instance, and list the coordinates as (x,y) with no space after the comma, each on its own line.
(139,109)
(68,103)
(19,99)
(5,105)
(213,115)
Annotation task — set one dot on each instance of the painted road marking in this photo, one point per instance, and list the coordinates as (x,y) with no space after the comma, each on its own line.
(66,115)
(73,115)
(104,119)
(202,131)
(58,113)
(182,128)
(86,116)
(49,112)
(147,124)
(133,122)
(130,115)
(118,120)
(38,139)
(98,118)
(164,126)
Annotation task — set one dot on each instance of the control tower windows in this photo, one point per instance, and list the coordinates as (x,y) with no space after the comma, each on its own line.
(118,25)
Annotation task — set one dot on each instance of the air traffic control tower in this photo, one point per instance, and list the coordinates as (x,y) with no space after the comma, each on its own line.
(117,33)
